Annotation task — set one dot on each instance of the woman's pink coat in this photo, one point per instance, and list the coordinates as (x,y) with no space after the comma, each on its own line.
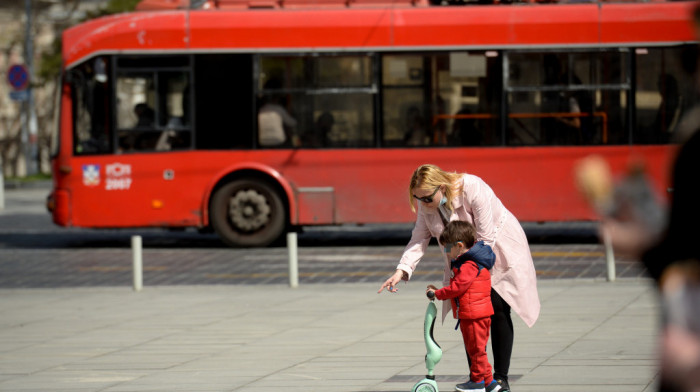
(513,276)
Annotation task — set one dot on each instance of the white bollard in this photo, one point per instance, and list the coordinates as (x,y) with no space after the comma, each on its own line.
(293,260)
(138,262)
(609,256)
(2,186)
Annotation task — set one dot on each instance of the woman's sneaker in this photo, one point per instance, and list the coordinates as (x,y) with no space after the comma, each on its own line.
(503,383)
(493,387)
(470,386)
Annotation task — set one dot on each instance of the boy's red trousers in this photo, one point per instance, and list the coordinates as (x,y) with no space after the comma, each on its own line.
(475,333)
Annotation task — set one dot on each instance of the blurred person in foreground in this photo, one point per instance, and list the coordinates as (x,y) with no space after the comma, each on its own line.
(674,262)
(636,224)
(634,221)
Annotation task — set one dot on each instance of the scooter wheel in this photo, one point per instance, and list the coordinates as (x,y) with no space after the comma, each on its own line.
(425,387)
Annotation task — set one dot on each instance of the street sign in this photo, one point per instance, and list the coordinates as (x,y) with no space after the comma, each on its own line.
(18,77)
(20,96)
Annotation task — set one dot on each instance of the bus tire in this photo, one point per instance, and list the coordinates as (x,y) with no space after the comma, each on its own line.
(247,213)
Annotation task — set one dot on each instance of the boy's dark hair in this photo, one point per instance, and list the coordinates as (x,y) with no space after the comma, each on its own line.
(459,231)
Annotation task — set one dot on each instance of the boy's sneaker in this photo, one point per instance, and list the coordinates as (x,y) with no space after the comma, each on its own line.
(503,383)
(494,387)
(470,386)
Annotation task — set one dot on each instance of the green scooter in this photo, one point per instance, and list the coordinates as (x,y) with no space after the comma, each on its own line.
(434,352)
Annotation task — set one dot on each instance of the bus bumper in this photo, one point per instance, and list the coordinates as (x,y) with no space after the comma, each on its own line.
(58,204)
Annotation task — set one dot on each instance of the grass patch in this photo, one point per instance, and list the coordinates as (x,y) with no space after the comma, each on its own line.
(32,178)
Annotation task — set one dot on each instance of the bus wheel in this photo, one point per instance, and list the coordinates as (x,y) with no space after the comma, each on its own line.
(247,213)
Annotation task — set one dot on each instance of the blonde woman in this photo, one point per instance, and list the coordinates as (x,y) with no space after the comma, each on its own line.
(438,197)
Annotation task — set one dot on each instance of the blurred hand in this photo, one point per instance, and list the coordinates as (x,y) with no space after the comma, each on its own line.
(595,182)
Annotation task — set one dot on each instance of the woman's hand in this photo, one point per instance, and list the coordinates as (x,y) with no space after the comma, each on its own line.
(391,283)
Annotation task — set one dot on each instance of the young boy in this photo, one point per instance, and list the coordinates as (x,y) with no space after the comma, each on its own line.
(470,292)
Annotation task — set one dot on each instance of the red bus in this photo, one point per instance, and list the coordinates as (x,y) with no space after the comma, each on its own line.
(255,119)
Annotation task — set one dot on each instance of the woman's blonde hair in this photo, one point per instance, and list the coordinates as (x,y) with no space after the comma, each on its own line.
(430,177)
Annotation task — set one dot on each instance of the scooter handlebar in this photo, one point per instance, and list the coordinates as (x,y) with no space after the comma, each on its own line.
(431,295)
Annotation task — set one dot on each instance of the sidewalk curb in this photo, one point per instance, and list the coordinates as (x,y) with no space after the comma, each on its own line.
(34,184)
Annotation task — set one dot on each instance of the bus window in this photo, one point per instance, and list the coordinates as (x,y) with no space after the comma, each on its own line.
(152,111)
(174,88)
(404,101)
(567,98)
(443,99)
(339,120)
(133,110)
(664,91)
(90,87)
(315,101)
(136,112)
(223,101)
(467,96)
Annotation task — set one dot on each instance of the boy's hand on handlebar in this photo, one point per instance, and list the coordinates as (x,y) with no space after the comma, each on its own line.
(430,291)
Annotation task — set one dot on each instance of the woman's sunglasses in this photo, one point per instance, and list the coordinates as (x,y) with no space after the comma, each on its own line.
(427,199)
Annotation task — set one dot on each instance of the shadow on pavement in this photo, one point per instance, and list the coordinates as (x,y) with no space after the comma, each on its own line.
(368,235)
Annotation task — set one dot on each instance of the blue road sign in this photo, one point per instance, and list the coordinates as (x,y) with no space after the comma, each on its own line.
(18,77)
(20,96)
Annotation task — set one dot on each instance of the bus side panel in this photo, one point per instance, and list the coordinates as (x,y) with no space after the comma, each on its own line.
(59,201)
(138,190)
(480,26)
(161,189)
(309,28)
(665,22)
(535,184)
(538,184)
(368,186)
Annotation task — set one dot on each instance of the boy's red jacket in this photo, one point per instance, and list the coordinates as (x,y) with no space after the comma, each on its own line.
(469,289)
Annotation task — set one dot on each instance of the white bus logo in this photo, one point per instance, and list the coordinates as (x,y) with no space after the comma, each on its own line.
(118,177)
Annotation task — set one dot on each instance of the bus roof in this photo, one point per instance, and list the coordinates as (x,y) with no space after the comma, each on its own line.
(382,28)
(159,5)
